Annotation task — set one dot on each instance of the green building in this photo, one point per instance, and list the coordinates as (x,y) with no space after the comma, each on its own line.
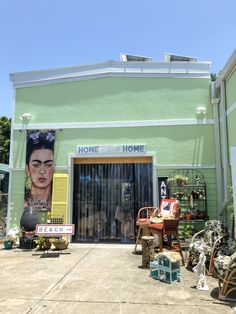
(118,130)
(223,98)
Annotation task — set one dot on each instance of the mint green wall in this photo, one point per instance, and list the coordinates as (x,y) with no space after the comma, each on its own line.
(231,90)
(172,144)
(114,99)
(230,101)
(231,121)
(118,99)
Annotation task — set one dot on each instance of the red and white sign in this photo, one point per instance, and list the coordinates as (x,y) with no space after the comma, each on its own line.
(53,229)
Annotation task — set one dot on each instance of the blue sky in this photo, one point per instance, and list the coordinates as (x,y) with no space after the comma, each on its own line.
(46,34)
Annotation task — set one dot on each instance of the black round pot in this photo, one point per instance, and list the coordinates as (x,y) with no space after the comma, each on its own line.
(29,219)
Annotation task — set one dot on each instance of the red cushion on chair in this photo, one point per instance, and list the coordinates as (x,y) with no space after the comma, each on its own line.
(157,227)
(143,220)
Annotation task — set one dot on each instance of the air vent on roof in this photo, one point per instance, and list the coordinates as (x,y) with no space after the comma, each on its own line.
(170,57)
(126,57)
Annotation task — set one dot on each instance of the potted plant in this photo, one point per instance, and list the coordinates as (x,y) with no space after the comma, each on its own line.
(230,208)
(187,232)
(42,243)
(60,244)
(181,180)
(171,181)
(9,242)
(188,215)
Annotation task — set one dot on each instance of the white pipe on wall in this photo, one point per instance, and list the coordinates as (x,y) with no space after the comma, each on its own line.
(233,169)
(215,102)
(224,144)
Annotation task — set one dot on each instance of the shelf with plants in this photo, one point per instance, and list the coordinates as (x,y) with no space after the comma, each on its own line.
(189,188)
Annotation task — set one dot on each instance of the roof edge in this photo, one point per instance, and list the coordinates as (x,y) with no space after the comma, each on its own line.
(228,68)
(110,68)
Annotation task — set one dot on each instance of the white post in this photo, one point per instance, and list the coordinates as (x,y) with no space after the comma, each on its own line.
(233,174)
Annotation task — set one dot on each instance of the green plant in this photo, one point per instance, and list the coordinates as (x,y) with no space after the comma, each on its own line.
(181,180)
(230,202)
(188,231)
(42,243)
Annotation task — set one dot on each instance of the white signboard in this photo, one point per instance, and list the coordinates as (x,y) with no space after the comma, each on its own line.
(48,229)
(113,149)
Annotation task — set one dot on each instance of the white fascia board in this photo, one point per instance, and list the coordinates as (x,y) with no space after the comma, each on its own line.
(185,166)
(229,67)
(113,124)
(111,69)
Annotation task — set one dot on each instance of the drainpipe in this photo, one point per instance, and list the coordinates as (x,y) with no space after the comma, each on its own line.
(215,100)
(224,146)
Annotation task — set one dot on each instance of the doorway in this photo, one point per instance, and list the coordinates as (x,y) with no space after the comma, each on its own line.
(107,197)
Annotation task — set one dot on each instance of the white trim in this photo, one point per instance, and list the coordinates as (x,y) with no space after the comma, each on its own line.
(12,128)
(233,173)
(185,166)
(149,153)
(110,75)
(112,69)
(9,206)
(116,124)
(231,108)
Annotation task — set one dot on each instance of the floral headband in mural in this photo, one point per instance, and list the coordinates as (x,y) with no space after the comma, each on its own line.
(36,137)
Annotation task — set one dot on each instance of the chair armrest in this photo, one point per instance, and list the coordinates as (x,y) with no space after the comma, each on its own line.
(196,234)
(147,211)
(155,212)
(216,242)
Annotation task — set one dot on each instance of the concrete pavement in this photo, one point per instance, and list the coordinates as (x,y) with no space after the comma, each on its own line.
(97,278)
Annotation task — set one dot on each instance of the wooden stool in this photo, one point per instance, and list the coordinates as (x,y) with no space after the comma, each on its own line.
(148,250)
(142,228)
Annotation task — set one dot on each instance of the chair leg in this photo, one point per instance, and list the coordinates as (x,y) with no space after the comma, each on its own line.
(210,271)
(160,241)
(137,239)
(180,250)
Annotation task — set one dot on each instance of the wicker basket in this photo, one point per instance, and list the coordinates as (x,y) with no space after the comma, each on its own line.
(60,244)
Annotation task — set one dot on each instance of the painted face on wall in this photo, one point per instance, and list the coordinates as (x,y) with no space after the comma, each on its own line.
(40,168)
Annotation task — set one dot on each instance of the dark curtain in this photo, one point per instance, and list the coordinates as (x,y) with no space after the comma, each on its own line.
(107,198)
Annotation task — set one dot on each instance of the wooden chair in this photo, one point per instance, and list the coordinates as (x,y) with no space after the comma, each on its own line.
(143,220)
(169,227)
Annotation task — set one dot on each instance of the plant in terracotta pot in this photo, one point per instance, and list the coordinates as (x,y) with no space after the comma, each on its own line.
(188,216)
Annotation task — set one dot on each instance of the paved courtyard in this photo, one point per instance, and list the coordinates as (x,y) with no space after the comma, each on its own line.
(97,279)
